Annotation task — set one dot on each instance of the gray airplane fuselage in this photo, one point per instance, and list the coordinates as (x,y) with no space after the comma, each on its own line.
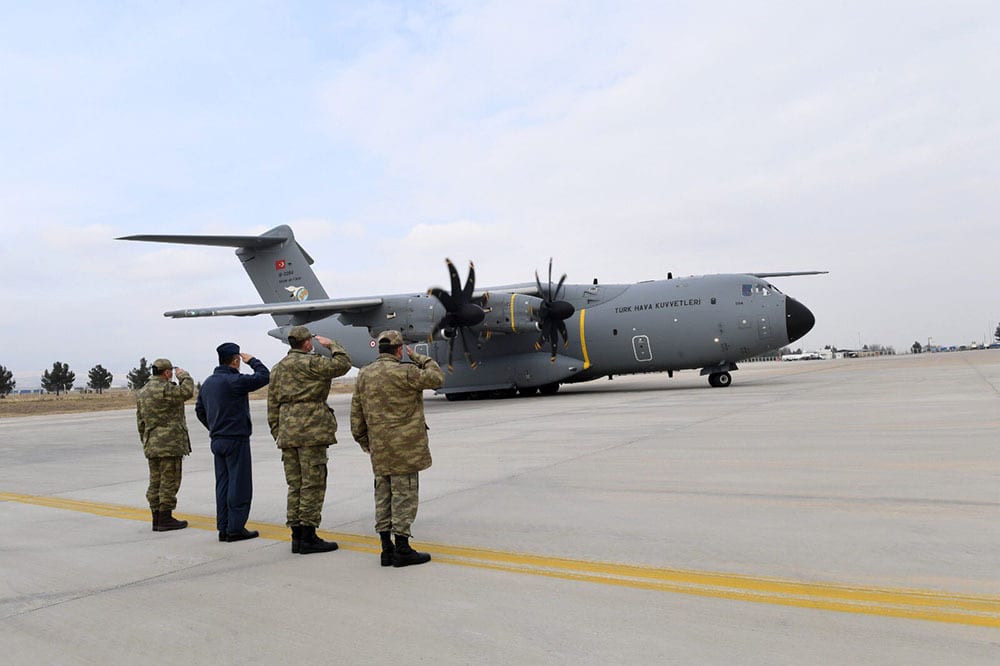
(708,322)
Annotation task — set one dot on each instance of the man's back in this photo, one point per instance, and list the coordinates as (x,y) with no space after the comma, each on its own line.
(387,412)
(223,404)
(297,412)
(160,416)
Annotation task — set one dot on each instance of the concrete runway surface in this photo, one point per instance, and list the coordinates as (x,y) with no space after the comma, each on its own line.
(814,512)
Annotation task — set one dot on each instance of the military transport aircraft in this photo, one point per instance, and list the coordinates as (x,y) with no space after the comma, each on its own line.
(525,338)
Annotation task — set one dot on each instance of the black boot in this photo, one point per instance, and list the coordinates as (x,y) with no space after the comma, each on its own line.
(310,543)
(387,548)
(296,538)
(242,535)
(156,519)
(405,556)
(168,523)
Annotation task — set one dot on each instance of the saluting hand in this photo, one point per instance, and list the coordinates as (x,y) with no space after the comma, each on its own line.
(246,357)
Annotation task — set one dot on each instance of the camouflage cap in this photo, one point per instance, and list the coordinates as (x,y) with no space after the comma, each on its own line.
(390,337)
(161,365)
(298,335)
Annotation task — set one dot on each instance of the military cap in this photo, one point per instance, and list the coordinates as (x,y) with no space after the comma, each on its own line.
(161,365)
(298,335)
(390,337)
(228,349)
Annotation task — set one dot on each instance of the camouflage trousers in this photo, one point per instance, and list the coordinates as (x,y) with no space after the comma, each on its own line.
(305,473)
(164,482)
(396,499)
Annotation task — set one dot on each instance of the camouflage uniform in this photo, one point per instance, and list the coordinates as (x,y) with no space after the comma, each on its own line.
(303,426)
(163,430)
(387,420)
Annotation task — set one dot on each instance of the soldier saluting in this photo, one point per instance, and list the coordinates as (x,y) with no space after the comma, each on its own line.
(387,420)
(303,426)
(159,413)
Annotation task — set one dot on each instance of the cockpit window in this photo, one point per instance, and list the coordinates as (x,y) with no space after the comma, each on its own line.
(759,289)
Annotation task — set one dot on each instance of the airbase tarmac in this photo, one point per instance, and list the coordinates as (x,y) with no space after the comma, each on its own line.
(840,511)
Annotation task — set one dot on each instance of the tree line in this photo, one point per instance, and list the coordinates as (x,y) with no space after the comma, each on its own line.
(60,379)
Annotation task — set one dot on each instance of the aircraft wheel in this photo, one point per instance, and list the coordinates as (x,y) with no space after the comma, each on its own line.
(526,391)
(720,379)
(549,389)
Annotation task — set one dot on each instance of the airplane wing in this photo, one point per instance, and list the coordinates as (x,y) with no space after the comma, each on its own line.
(526,289)
(327,306)
(787,274)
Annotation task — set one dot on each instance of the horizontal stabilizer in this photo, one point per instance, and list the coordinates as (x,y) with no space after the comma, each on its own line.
(253,242)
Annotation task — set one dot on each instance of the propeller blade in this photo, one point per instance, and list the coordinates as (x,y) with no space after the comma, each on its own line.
(456,284)
(465,349)
(550,280)
(470,283)
(559,287)
(443,297)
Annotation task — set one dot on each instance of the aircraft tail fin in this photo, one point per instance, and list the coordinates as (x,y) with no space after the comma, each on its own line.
(278,266)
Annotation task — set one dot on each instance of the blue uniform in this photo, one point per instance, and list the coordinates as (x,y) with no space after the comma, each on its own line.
(223,407)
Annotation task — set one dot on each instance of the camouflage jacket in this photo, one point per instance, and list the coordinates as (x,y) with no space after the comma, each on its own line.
(159,415)
(387,412)
(297,412)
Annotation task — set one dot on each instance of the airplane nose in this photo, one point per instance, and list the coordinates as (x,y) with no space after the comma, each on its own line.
(798,319)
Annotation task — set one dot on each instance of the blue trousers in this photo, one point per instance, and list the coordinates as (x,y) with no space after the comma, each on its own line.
(233,483)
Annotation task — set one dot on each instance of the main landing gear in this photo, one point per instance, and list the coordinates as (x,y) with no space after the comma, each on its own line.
(720,379)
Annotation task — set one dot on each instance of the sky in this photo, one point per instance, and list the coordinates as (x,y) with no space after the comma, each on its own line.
(622,139)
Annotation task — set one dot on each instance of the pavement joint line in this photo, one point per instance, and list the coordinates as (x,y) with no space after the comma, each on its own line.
(975,610)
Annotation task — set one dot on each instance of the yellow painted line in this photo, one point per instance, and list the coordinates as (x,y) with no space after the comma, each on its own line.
(513,329)
(583,340)
(975,610)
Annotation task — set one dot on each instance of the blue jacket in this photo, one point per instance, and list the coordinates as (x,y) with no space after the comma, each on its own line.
(223,404)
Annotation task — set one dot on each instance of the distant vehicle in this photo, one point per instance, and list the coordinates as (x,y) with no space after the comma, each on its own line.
(805,356)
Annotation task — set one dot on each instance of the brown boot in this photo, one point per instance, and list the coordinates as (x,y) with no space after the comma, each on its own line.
(168,523)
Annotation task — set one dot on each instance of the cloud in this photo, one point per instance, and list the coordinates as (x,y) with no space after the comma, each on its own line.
(624,140)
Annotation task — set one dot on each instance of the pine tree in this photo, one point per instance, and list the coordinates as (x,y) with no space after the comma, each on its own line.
(100,378)
(59,379)
(138,377)
(7,382)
